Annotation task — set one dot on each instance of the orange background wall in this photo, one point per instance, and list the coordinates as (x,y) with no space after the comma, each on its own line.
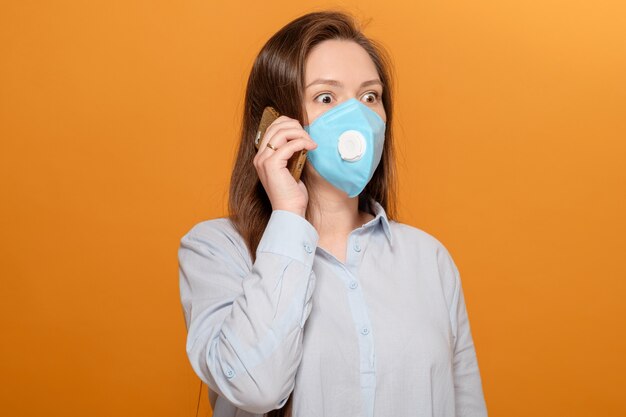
(118,128)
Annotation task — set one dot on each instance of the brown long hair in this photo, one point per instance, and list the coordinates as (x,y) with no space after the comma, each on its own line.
(277,80)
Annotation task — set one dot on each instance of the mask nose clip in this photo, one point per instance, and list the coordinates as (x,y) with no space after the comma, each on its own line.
(351,145)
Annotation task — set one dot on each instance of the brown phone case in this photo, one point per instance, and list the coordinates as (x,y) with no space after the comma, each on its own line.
(295,165)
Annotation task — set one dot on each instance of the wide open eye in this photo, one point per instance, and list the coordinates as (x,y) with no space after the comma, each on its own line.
(326,98)
(371,97)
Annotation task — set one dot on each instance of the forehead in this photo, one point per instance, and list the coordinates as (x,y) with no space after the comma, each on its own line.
(341,60)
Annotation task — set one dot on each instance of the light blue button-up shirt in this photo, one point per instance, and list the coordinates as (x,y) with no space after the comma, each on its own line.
(386,334)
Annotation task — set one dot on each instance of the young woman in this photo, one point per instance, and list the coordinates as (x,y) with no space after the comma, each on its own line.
(309,299)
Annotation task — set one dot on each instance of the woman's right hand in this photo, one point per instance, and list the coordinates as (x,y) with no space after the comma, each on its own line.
(288,137)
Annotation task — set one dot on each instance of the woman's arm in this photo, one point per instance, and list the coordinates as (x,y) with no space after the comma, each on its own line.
(245,326)
(469,397)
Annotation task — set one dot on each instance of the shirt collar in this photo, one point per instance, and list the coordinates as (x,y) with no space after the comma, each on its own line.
(380,217)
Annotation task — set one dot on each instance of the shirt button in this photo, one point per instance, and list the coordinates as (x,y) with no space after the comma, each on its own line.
(307,248)
(353,284)
(230,373)
(357,247)
(365,330)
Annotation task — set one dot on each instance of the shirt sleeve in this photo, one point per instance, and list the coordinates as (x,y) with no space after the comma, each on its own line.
(469,397)
(245,325)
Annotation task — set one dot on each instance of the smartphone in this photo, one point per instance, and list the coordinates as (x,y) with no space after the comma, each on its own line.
(295,165)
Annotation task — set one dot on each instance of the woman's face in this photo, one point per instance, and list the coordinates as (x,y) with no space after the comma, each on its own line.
(337,70)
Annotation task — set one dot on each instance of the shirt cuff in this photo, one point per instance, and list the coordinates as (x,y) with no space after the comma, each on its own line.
(291,235)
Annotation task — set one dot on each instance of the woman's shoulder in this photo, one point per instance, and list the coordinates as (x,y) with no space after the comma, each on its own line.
(216,235)
(417,241)
(215,227)
(408,234)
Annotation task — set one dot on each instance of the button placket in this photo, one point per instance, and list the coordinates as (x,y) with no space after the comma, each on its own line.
(355,250)
(362,324)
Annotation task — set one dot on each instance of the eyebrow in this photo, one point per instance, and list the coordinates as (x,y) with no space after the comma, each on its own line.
(338,84)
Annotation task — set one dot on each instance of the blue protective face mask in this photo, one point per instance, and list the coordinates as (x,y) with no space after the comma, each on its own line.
(350,139)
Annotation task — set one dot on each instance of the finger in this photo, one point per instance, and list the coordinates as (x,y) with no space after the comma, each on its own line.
(280,123)
(269,152)
(282,155)
(264,151)
(281,138)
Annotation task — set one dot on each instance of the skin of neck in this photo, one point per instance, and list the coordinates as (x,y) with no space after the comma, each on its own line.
(333,213)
